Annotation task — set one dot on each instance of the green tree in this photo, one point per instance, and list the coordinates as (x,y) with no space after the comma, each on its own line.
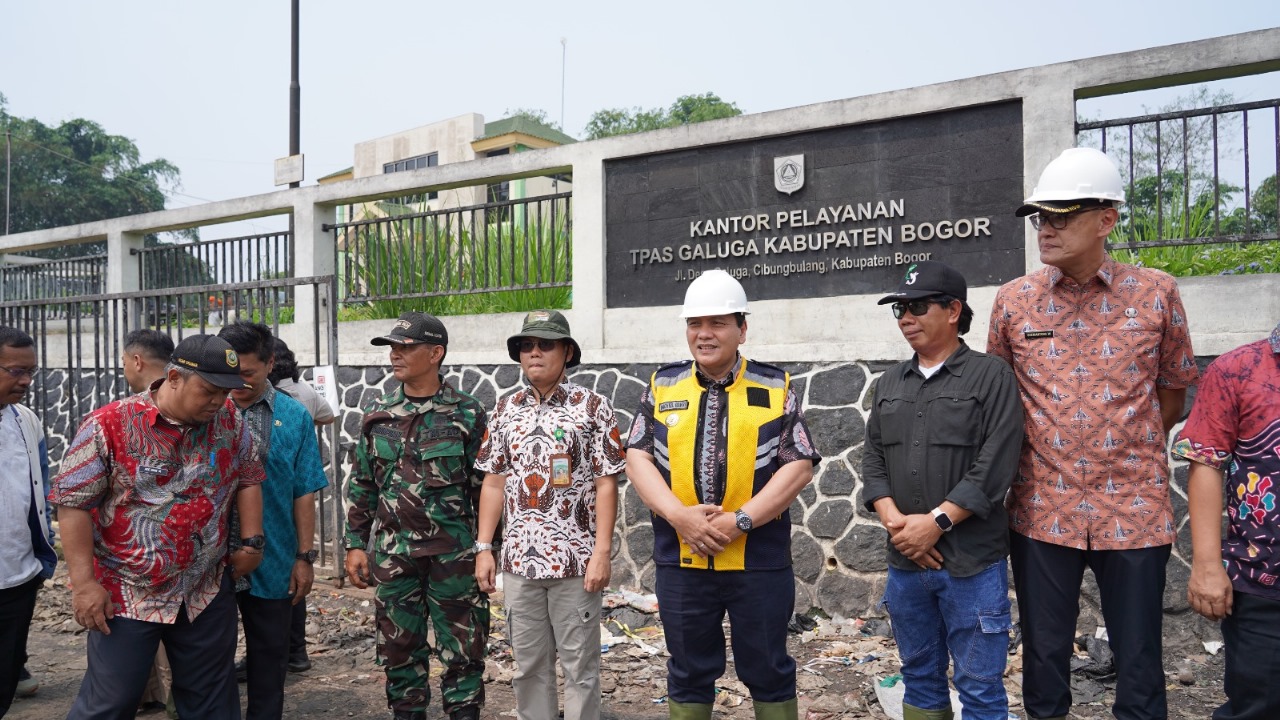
(686,109)
(535,114)
(77,172)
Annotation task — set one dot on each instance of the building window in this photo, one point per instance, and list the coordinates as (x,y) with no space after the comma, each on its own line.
(499,193)
(414,163)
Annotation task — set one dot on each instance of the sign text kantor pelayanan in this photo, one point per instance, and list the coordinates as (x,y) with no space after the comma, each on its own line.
(821,214)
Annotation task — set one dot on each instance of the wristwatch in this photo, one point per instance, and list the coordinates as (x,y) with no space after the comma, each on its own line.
(743,521)
(944,522)
(481,547)
(257,542)
(310,556)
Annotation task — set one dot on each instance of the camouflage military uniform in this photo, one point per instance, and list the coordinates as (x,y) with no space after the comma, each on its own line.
(412,508)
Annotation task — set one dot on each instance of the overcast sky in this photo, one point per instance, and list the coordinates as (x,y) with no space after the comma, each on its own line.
(205,84)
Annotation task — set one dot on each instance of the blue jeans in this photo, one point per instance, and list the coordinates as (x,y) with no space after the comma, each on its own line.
(933,612)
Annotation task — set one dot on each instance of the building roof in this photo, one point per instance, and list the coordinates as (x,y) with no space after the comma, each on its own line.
(336,175)
(528,126)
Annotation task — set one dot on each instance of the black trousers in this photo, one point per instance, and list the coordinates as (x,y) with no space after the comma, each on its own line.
(267,625)
(298,632)
(1131,582)
(692,605)
(201,655)
(1252,636)
(17,605)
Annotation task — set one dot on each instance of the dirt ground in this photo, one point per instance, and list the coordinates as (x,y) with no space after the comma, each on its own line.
(840,662)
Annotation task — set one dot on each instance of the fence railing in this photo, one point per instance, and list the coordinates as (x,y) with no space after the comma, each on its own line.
(58,278)
(210,262)
(478,258)
(1187,182)
(79,349)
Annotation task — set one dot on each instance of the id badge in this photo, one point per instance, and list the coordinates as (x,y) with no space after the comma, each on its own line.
(561,470)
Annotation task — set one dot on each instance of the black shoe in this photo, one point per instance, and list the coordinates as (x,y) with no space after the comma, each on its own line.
(242,671)
(471,712)
(411,715)
(300,664)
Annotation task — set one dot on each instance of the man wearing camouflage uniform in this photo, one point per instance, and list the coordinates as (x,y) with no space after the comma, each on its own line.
(411,525)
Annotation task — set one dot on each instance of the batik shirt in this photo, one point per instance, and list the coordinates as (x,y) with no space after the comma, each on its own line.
(1235,428)
(1089,359)
(414,490)
(159,494)
(551,531)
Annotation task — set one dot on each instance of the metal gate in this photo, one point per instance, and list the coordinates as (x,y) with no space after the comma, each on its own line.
(79,348)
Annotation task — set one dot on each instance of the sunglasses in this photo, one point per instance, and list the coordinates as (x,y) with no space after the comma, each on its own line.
(1057,221)
(917,307)
(528,344)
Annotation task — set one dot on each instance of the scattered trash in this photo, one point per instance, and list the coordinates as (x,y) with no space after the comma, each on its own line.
(1100,664)
(1213,646)
(644,602)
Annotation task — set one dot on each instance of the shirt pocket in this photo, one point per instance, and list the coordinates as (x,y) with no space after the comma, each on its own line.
(955,418)
(895,419)
(441,463)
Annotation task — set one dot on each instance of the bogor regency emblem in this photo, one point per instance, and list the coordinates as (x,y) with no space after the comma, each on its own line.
(788,173)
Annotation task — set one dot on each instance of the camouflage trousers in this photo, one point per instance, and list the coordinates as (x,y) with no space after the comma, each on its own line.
(440,590)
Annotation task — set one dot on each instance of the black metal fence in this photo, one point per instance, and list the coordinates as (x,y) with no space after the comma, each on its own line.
(79,349)
(1195,177)
(210,262)
(63,277)
(512,246)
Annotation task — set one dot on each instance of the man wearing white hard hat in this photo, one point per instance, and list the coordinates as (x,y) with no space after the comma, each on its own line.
(1103,357)
(718,451)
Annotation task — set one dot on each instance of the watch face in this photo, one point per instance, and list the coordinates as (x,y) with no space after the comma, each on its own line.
(744,522)
(257,542)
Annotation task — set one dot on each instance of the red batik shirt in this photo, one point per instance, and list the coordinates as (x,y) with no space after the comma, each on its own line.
(159,494)
(1235,428)
(1089,358)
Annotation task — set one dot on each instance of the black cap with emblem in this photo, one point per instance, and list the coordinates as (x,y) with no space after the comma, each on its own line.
(927,279)
(413,328)
(212,358)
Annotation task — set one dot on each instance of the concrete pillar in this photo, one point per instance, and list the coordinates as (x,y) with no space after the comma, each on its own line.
(1048,128)
(313,255)
(122,272)
(588,253)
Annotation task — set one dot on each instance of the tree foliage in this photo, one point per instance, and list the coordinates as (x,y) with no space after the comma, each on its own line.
(686,110)
(537,115)
(77,172)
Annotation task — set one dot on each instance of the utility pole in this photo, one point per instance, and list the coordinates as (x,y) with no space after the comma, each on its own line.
(564,52)
(295,94)
(8,173)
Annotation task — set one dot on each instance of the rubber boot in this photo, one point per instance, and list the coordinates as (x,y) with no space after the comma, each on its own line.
(689,711)
(911,712)
(785,710)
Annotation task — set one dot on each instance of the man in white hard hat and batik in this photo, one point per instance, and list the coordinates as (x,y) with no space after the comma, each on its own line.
(718,451)
(1102,354)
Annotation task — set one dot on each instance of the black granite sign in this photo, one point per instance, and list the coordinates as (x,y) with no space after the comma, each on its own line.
(841,211)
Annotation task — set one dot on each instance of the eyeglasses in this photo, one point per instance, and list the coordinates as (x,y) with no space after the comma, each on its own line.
(1055,220)
(916,307)
(21,372)
(543,344)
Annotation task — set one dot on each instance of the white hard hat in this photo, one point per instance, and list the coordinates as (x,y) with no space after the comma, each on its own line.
(714,292)
(1077,174)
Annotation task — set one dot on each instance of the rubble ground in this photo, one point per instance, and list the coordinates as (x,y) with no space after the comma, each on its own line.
(840,662)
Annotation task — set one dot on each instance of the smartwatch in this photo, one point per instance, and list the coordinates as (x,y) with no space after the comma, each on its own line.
(480,547)
(257,542)
(944,522)
(743,521)
(310,556)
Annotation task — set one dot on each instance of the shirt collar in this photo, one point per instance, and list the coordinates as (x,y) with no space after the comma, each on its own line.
(1275,340)
(529,396)
(446,395)
(1106,272)
(726,381)
(954,364)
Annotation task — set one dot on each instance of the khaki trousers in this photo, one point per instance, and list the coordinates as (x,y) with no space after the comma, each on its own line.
(546,617)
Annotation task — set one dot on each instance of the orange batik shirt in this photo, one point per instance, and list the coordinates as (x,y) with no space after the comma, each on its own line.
(1094,472)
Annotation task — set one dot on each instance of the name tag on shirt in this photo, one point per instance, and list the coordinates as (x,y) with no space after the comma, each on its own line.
(389,432)
(1037,334)
(670,405)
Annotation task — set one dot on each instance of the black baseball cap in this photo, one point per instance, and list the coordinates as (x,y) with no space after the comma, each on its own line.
(927,279)
(414,328)
(212,358)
